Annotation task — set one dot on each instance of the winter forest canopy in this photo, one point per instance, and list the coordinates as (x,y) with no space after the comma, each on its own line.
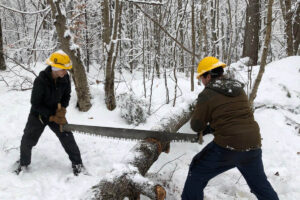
(159,38)
(110,41)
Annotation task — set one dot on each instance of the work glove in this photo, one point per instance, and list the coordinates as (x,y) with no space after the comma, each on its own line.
(58,120)
(61,112)
(208,130)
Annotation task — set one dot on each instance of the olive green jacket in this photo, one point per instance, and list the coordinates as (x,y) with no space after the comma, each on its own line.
(224,105)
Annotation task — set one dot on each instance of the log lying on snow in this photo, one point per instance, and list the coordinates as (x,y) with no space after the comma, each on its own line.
(129,179)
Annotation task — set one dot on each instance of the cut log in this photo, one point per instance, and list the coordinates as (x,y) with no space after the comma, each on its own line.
(130,180)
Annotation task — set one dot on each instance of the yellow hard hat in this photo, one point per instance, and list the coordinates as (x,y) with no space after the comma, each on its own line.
(207,64)
(59,59)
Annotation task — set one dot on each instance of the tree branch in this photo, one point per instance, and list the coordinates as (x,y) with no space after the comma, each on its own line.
(29,13)
(165,31)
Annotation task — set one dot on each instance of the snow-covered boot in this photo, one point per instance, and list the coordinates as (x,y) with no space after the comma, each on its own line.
(78,168)
(21,168)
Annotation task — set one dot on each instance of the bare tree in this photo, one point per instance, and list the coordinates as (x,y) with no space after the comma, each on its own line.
(79,75)
(110,42)
(264,54)
(296,27)
(181,36)
(251,38)
(157,38)
(287,16)
(193,45)
(203,22)
(2,60)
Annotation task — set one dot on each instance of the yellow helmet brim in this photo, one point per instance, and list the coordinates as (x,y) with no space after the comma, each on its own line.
(216,65)
(60,66)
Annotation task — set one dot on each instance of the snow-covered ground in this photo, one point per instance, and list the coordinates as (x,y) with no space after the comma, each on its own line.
(50,176)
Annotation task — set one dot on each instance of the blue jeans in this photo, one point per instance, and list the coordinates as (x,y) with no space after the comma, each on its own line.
(214,160)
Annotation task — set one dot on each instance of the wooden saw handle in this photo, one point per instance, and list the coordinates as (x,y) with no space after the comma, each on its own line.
(200,137)
(60,126)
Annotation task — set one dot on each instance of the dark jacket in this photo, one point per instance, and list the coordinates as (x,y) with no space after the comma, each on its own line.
(47,93)
(224,104)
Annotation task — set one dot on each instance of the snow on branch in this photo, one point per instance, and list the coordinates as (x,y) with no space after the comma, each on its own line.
(22,12)
(147,2)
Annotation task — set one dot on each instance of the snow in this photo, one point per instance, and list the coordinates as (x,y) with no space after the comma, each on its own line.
(50,175)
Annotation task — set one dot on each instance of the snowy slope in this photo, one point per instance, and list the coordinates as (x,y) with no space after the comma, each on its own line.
(50,176)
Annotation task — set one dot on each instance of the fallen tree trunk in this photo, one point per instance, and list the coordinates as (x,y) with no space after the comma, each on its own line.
(130,179)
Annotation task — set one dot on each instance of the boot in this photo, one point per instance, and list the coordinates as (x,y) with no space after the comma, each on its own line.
(78,168)
(21,168)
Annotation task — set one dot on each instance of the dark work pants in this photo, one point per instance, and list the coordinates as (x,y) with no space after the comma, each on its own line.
(214,160)
(32,132)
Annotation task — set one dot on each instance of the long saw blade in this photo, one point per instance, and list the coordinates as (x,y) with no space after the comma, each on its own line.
(131,134)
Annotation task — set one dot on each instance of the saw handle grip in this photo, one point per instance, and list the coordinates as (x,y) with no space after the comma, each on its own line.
(200,137)
(60,126)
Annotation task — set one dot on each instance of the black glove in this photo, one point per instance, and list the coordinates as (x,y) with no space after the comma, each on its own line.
(208,130)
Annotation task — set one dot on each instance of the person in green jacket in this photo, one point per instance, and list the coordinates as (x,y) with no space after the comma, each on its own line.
(237,140)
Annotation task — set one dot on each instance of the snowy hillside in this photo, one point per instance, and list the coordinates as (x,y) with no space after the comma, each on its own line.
(50,176)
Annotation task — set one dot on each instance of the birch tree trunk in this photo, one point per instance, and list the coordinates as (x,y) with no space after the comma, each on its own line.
(2,60)
(264,54)
(79,75)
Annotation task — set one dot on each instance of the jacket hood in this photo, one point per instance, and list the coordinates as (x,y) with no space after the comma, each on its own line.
(226,86)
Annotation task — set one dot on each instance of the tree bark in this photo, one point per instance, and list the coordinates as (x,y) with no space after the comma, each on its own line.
(193,45)
(79,75)
(141,157)
(213,27)
(2,60)
(111,44)
(296,28)
(287,16)
(157,39)
(181,36)
(264,54)
(251,39)
(203,21)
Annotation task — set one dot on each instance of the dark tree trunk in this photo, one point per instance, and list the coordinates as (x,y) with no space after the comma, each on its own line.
(79,75)
(140,159)
(193,45)
(264,54)
(287,17)
(296,28)
(2,60)
(251,41)
(157,39)
(181,36)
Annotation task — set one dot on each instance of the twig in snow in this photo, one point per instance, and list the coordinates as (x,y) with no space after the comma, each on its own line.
(169,162)
(173,173)
(238,179)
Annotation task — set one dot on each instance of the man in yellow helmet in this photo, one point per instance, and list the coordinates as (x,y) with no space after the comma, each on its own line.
(237,141)
(49,98)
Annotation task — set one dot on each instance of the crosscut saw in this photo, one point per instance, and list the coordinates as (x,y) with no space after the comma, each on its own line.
(131,134)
